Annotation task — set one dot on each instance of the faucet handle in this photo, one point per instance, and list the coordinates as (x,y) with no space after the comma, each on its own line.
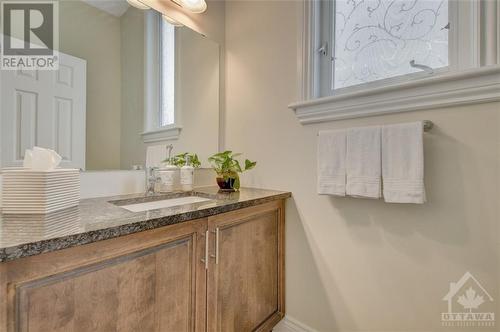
(169,151)
(151,170)
(151,180)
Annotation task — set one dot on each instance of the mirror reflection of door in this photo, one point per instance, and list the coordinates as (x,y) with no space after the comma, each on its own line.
(45,108)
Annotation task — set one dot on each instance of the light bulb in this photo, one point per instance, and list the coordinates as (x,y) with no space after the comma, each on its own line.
(195,6)
(138,4)
(171,21)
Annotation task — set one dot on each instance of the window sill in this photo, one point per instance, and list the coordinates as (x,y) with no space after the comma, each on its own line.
(164,134)
(467,87)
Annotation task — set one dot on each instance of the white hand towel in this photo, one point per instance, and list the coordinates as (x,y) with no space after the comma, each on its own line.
(363,162)
(331,162)
(403,163)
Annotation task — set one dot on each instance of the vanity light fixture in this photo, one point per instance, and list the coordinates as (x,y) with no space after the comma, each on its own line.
(171,21)
(195,6)
(138,4)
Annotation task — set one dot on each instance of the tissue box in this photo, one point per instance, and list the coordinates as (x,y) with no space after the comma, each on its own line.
(24,227)
(25,191)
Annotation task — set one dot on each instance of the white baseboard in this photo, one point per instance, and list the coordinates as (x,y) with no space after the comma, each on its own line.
(290,324)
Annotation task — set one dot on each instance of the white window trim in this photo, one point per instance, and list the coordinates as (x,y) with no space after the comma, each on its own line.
(153,132)
(464,83)
(165,133)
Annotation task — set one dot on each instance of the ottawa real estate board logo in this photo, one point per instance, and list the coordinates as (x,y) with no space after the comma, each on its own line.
(469,304)
(29,35)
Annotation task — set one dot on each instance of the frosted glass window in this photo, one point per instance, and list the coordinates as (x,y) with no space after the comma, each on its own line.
(378,39)
(167,85)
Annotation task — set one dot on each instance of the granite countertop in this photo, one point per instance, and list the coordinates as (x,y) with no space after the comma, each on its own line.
(100,219)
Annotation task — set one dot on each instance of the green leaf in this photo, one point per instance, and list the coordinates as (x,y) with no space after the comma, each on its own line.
(236,184)
(249,164)
(237,166)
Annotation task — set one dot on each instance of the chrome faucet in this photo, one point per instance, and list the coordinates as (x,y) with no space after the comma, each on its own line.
(151,180)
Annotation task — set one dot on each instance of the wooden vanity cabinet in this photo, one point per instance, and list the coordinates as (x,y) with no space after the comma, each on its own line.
(169,279)
(245,283)
(149,281)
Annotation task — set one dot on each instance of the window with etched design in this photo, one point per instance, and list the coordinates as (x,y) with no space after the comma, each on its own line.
(381,39)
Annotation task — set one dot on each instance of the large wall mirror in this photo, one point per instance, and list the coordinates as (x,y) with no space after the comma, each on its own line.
(127,80)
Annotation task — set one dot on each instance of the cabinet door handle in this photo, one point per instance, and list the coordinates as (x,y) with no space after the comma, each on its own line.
(216,256)
(205,260)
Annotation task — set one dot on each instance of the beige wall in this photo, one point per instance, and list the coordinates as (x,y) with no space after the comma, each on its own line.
(197,94)
(354,264)
(133,150)
(93,35)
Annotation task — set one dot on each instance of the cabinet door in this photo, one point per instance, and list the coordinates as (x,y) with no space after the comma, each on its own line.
(245,275)
(158,288)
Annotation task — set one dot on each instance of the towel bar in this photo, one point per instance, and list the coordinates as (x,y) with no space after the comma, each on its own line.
(428,125)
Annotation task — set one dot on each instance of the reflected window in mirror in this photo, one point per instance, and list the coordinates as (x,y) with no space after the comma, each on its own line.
(167,79)
(161,121)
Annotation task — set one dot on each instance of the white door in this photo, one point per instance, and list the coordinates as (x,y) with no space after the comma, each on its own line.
(44,108)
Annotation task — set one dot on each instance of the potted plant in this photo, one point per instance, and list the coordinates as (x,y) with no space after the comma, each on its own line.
(227,169)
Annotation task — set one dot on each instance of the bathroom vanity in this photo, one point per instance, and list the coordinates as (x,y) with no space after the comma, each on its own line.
(209,265)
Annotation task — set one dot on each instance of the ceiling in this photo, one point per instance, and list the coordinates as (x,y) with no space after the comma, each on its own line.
(113,7)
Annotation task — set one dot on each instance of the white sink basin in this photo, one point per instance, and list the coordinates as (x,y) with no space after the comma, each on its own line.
(140,207)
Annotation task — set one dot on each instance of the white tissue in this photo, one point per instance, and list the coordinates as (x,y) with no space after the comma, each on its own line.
(28,157)
(40,159)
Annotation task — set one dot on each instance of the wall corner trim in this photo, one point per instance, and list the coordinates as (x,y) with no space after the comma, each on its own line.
(290,324)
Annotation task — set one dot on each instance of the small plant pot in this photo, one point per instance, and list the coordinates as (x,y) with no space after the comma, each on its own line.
(226,185)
